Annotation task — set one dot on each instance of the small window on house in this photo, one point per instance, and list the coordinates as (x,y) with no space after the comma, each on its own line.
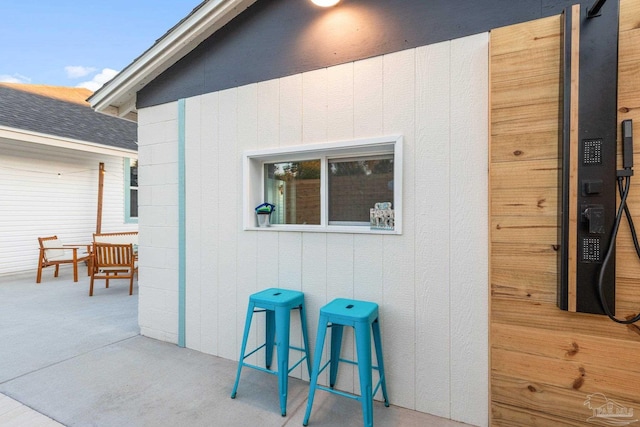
(332,187)
(131,190)
(295,188)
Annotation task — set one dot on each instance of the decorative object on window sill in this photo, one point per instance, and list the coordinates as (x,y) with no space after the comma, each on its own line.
(381,216)
(263,213)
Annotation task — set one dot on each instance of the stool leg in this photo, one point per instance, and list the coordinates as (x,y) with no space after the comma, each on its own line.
(270,331)
(317,358)
(336,345)
(283,323)
(305,338)
(245,336)
(363,347)
(378,343)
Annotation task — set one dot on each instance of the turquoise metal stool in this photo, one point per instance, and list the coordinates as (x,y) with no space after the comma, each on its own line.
(363,317)
(277,305)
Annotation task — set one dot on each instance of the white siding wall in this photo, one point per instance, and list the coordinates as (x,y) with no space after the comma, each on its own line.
(37,202)
(431,282)
(158,222)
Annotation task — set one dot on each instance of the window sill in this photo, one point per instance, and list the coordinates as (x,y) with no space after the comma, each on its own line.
(323,229)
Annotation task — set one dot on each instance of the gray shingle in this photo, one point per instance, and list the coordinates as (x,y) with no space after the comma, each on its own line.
(31,112)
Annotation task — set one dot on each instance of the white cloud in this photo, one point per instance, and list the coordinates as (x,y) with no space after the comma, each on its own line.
(14,78)
(99,79)
(77,71)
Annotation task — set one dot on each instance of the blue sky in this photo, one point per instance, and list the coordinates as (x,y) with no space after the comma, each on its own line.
(80,42)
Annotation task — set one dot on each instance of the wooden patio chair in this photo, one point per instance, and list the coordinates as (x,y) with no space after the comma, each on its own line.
(53,252)
(113,261)
(120,237)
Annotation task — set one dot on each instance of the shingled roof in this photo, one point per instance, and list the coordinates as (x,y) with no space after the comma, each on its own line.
(26,109)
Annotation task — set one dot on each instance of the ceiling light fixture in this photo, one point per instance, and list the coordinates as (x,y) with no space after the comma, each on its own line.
(325,3)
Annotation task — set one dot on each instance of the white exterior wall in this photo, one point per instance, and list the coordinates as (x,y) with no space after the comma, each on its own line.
(158,222)
(38,202)
(431,282)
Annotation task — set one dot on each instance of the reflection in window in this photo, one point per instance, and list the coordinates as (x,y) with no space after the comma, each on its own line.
(130,190)
(133,188)
(294,187)
(356,185)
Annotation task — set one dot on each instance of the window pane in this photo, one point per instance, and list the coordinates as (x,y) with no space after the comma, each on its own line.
(133,173)
(294,187)
(355,186)
(133,205)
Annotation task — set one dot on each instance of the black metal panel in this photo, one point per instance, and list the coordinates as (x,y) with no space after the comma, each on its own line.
(564,166)
(276,38)
(596,163)
(556,7)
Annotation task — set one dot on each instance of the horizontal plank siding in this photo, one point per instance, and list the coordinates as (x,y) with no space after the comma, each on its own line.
(48,191)
(546,362)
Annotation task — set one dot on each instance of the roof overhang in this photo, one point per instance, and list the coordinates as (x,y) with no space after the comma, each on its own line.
(21,135)
(118,96)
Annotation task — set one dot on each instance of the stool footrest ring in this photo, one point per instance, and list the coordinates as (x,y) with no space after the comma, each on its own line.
(259,368)
(247,355)
(296,364)
(350,395)
(352,362)
(338,392)
(341,393)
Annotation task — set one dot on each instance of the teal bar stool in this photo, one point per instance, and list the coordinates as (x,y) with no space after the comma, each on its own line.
(362,316)
(277,305)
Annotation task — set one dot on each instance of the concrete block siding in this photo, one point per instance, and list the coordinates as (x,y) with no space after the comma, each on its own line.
(430,282)
(158,222)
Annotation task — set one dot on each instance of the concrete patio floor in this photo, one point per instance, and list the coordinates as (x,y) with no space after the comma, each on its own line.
(73,360)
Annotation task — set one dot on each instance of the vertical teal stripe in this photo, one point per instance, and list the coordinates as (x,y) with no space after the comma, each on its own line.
(182,224)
